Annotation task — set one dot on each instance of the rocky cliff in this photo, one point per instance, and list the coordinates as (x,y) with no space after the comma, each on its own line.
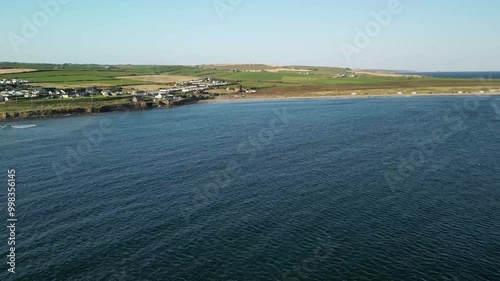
(48,113)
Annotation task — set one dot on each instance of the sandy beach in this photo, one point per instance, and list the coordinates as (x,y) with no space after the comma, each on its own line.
(284,98)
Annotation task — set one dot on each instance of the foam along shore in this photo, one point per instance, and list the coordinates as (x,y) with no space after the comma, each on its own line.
(13,126)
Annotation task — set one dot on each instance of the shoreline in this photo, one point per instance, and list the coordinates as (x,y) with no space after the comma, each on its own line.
(74,112)
(284,98)
(49,113)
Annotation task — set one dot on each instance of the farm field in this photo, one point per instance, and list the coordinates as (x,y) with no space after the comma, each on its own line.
(16,70)
(159,79)
(318,79)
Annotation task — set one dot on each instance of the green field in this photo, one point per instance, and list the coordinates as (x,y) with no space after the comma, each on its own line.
(270,82)
(317,79)
(75,77)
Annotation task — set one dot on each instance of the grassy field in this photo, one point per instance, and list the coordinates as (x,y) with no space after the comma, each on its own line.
(317,80)
(271,82)
(160,79)
(15,70)
(238,66)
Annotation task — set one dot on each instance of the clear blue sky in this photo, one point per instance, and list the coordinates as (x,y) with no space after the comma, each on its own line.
(426,35)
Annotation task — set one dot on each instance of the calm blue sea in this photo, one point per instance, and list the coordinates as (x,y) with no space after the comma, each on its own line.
(338,189)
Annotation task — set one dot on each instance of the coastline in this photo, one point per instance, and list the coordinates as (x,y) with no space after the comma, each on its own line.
(286,98)
(46,113)
(77,111)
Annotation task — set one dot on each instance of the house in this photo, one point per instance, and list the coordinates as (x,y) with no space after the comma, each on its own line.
(62,94)
(93,91)
(43,91)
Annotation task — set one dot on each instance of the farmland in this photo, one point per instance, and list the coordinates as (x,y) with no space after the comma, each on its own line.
(268,80)
(15,70)
(260,81)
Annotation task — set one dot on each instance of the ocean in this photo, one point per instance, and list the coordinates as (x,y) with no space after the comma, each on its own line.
(401,188)
(460,75)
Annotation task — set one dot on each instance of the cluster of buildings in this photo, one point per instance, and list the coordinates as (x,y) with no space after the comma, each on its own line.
(45,92)
(187,89)
(13,82)
(344,75)
(177,91)
(236,70)
(196,85)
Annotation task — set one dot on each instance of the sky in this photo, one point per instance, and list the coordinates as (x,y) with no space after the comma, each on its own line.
(421,35)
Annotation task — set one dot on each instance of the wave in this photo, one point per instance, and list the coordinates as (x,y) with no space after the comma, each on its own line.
(23,126)
(18,126)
